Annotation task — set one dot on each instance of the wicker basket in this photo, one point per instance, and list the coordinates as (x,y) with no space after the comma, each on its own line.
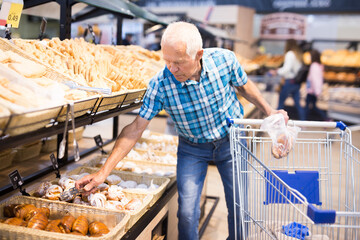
(4,118)
(27,151)
(120,99)
(49,144)
(133,215)
(171,139)
(115,221)
(134,96)
(31,121)
(144,164)
(6,158)
(78,134)
(50,72)
(156,153)
(110,102)
(138,178)
(81,107)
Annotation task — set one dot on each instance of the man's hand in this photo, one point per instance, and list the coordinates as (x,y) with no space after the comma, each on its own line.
(283,112)
(89,182)
(124,143)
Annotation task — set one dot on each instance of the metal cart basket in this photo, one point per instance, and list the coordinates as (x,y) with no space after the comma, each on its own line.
(313,193)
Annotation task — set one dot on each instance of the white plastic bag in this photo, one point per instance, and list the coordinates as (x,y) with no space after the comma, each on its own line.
(283,137)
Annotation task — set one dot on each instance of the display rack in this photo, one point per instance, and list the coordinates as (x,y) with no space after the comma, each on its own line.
(116,105)
(101,109)
(349,110)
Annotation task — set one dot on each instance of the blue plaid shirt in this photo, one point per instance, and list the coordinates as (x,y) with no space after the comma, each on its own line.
(199,109)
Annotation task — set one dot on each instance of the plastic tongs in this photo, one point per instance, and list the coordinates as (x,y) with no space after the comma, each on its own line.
(69,194)
(63,141)
(75,85)
(70,108)
(75,144)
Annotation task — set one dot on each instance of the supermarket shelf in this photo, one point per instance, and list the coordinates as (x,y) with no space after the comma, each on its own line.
(13,141)
(86,112)
(44,165)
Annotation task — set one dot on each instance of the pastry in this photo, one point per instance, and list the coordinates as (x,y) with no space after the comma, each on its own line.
(98,229)
(115,193)
(114,205)
(15,221)
(282,147)
(53,192)
(97,200)
(134,204)
(41,190)
(22,210)
(81,225)
(113,179)
(8,210)
(128,184)
(53,226)
(66,183)
(38,221)
(103,187)
(67,223)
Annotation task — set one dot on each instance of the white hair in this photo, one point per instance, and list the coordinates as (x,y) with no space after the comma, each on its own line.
(183,32)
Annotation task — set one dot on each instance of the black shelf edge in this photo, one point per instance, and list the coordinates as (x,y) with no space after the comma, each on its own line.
(47,170)
(13,141)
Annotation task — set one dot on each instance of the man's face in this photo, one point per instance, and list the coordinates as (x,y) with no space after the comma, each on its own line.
(180,64)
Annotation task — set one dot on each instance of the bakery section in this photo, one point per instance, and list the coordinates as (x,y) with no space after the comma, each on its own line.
(30,127)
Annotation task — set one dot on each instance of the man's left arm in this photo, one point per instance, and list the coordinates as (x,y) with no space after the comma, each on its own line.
(251,93)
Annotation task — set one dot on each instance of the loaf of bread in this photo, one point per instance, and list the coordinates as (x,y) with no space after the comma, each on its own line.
(118,68)
(24,66)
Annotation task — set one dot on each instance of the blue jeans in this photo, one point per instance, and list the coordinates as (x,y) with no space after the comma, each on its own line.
(311,101)
(193,160)
(292,89)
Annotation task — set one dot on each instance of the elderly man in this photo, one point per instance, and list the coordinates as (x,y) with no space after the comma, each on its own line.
(197,89)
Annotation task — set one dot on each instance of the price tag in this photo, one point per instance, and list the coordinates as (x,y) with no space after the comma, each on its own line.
(55,165)
(98,141)
(54,161)
(16,179)
(11,12)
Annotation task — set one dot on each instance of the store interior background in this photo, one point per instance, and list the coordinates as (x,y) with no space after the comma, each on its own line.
(239,29)
(231,24)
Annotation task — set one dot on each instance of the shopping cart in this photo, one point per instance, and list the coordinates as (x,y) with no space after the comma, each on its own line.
(313,193)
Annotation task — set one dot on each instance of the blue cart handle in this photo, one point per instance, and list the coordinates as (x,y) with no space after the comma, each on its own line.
(320,216)
(340,125)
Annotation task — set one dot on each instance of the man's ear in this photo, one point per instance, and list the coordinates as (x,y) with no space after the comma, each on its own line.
(199,54)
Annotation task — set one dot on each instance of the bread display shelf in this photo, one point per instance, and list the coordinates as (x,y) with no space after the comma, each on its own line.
(162,182)
(96,162)
(27,151)
(134,216)
(146,198)
(118,101)
(115,221)
(6,158)
(342,68)
(81,108)
(344,104)
(345,100)
(21,123)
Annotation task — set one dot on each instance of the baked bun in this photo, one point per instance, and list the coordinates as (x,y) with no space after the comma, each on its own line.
(53,192)
(283,146)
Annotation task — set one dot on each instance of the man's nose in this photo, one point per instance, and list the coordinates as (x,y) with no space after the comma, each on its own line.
(173,68)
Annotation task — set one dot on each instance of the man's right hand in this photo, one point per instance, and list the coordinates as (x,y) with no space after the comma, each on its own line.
(90,182)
